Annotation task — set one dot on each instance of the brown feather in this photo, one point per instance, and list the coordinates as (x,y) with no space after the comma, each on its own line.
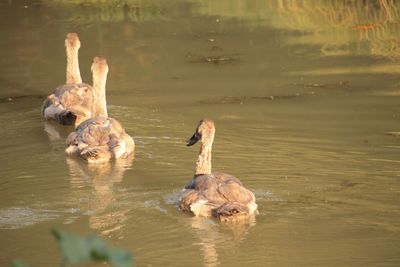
(219,194)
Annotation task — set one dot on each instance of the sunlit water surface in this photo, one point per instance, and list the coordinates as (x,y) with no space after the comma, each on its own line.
(301,117)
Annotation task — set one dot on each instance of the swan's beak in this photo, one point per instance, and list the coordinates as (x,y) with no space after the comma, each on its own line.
(193,140)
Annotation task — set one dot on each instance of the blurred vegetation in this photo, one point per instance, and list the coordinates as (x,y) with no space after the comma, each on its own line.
(341,27)
(78,250)
(87,11)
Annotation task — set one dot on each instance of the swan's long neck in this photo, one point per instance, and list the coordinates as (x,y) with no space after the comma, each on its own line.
(203,163)
(99,105)
(73,72)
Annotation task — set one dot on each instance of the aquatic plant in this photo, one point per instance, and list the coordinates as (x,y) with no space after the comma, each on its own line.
(76,249)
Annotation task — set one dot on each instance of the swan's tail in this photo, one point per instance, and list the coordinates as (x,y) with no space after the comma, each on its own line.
(231,211)
(96,154)
(67,118)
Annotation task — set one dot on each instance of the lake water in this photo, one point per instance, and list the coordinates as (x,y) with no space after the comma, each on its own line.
(303,96)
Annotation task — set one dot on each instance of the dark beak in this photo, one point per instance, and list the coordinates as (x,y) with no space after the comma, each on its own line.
(193,140)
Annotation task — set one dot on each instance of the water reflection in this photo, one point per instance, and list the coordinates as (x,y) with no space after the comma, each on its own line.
(106,214)
(342,28)
(56,131)
(213,234)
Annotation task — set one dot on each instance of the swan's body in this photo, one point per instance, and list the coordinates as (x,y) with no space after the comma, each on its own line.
(214,194)
(100,138)
(70,104)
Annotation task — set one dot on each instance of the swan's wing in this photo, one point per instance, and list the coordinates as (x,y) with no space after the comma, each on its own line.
(69,104)
(224,177)
(201,182)
(120,142)
(80,110)
(90,140)
(72,144)
(74,95)
(82,87)
(233,191)
(186,198)
(94,132)
(116,126)
(207,187)
(103,136)
(71,139)
(240,202)
(60,90)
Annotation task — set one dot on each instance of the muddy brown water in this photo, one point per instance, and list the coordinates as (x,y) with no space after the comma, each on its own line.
(300,116)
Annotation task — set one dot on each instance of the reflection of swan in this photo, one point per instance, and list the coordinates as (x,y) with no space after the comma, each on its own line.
(56,131)
(212,236)
(106,215)
(70,103)
(100,138)
(218,194)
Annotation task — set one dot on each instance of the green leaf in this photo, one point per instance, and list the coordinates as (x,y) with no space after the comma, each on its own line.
(120,258)
(19,263)
(73,248)
(76,249)
(98,249)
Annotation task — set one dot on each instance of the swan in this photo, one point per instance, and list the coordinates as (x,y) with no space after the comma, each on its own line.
(100,138)
(70,103)
(214,194)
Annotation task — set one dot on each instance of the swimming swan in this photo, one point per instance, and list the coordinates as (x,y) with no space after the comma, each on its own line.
(214,194)
(100,138)
(70,104)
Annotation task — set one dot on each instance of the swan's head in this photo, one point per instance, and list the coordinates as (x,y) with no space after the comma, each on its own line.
(205,131)
(72,41)
(99,66)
